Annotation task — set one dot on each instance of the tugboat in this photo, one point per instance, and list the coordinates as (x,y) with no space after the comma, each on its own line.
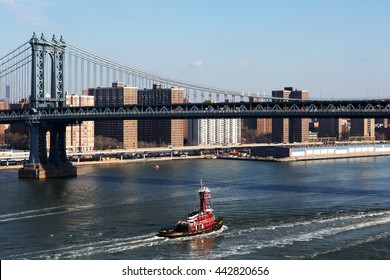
(198,222)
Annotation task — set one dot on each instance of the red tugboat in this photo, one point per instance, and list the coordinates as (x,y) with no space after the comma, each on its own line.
(198,222)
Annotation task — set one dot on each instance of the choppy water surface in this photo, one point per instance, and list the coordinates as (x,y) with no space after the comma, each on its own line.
(333,209)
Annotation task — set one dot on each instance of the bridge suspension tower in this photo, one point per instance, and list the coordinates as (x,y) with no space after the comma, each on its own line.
(47,90)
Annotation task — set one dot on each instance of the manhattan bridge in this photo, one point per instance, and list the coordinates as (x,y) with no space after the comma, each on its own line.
(44,71)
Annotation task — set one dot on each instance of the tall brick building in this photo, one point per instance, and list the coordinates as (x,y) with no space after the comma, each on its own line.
(260,126)
(289,130)
(125,131)
(330,127)
(161,132)
(3,106)
(363,128)
(133,133)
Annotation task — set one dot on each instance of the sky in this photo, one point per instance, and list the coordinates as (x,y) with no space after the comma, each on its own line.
(334,49)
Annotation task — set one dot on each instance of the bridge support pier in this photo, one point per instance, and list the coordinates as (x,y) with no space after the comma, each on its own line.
(41,167)
(43,171)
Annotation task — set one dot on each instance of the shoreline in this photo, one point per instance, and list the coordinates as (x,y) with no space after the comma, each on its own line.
(306,158)
(269,159)
(113,161)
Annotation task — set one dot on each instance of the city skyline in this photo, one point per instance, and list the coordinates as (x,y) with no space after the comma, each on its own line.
(332,49)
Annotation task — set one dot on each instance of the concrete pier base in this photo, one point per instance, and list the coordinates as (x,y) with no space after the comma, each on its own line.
(39,171)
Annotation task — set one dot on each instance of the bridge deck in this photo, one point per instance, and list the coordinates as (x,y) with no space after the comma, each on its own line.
(296,109)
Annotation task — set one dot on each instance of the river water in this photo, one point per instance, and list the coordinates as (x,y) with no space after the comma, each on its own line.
(329,209)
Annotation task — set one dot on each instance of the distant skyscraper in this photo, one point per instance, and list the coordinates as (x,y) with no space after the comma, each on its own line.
(8,92)
(125,131)
(161,132)
(291,130)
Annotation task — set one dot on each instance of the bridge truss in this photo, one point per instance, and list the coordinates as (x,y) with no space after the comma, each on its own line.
(279,109)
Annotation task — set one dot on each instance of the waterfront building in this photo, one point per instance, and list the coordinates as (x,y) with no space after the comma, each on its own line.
(214,131)
(329,127)
(3,106)
(20,128)
(185,125)
(363,128)
(381,122)
(345,129)
(18,134)
(299,127)
(252,128)
(125,131)
(259,126)
(280,126)
(80,137)
(382,133)
(264,126)
(289,130)
(161,132)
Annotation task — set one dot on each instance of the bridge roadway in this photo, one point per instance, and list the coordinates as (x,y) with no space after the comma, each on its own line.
(373,108)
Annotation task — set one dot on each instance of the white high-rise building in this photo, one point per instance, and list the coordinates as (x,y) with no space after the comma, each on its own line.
(214,131)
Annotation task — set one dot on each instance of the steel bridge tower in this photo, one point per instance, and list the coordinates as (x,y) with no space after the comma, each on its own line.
(47,90)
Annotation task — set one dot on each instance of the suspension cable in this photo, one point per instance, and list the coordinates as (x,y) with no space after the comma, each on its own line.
(14,51)
(15,66)
(93,58)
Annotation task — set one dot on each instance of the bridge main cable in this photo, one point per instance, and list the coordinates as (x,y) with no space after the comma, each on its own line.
(93,58)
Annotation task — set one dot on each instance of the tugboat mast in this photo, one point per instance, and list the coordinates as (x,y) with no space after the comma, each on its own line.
(204,193)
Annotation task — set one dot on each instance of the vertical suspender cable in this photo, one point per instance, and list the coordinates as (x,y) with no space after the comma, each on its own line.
(107,76)
(94,74)
(101,75)
(70,65)
(76,77)
(88,74)
(81,77)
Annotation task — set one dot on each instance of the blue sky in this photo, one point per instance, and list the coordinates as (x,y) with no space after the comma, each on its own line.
(334,49)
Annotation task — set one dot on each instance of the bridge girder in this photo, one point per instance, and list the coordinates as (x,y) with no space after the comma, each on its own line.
(345,109)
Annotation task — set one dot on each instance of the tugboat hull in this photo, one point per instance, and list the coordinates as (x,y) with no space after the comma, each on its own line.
(175,233)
